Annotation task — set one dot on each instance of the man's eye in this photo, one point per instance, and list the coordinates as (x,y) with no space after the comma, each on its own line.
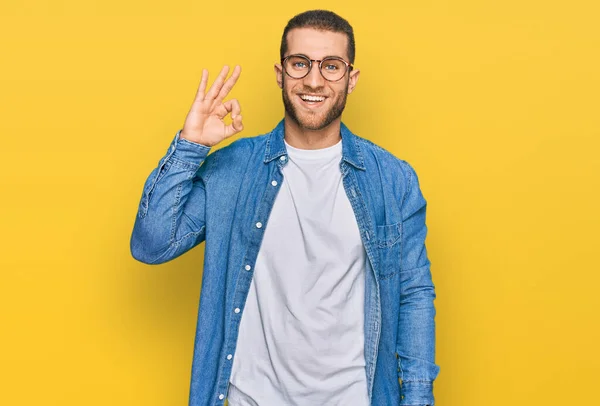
(299,65)
(331,67)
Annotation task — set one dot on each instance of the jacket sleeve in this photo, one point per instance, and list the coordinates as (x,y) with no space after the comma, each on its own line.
(171,214)
(416,327)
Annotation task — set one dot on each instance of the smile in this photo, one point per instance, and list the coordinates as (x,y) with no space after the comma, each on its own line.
(312,99)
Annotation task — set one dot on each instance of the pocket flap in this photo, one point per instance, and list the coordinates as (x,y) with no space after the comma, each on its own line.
(389,234)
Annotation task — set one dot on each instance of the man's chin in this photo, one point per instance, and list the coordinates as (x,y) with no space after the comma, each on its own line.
(312,126)
(314,123)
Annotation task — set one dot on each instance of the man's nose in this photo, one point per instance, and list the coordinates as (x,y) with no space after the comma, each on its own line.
(314,79)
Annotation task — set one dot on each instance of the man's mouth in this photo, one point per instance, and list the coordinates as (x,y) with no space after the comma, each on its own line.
(311,99)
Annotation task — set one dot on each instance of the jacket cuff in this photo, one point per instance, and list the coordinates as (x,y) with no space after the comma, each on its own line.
(416,393)
(188,151)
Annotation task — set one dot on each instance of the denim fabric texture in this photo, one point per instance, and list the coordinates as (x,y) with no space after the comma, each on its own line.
(225,199)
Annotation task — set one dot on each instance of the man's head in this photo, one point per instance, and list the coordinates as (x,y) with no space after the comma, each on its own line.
(321,20)
(314,93)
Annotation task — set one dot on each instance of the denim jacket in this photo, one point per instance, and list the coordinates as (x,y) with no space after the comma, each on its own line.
(225,199)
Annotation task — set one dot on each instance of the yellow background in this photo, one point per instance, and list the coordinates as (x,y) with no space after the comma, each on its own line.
(495,103)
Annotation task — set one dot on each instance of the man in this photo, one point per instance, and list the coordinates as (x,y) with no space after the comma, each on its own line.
(316,287)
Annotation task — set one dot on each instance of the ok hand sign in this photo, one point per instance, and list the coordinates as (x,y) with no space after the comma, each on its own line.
(204,123)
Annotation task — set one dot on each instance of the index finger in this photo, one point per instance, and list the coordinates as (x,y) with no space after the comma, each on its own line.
(202,87)
(229,84)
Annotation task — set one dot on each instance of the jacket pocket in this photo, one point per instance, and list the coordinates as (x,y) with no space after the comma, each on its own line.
(389,245)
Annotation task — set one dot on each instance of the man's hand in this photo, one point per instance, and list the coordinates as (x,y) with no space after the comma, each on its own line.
(204,123)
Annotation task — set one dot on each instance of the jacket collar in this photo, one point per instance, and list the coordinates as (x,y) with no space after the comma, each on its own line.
(351,152)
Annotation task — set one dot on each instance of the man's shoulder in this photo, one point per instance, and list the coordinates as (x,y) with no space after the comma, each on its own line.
(375,154)
(393,173)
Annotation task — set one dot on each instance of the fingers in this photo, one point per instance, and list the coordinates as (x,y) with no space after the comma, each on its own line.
(235,127)
(202,87)
(230,106)
(220,88)
(218,83)
(210,104)
(228,84)
(233,106)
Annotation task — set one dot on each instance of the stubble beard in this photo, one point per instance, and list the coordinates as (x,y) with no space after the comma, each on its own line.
(332,114)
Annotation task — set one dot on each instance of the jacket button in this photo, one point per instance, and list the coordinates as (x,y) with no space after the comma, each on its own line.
(221,396)
(259,225)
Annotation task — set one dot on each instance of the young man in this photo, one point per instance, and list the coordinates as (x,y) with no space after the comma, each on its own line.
(316,287)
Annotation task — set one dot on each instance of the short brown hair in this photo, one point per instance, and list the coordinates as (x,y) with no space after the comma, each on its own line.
(321,20)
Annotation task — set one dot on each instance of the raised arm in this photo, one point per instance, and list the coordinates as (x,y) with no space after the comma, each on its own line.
(171,213)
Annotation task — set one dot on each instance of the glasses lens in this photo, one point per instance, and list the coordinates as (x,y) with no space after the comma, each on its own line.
(333,69)
(297,66)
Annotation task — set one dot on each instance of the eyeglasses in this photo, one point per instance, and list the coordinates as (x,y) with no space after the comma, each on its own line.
(332,68)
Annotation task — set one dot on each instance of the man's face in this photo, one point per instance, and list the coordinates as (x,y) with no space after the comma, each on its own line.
(315,44)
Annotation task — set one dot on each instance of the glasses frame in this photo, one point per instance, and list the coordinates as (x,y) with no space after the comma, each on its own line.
(349,66)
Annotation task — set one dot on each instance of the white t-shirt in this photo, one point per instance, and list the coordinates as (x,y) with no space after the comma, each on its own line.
(301,338)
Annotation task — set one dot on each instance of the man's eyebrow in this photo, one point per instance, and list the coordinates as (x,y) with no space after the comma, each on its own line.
(325,57)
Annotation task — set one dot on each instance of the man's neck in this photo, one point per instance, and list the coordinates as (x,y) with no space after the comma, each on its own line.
(302,138)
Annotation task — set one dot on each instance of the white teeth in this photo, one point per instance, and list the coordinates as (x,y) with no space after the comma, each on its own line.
(312,98)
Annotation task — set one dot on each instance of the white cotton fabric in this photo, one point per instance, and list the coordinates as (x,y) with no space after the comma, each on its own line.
(301,338)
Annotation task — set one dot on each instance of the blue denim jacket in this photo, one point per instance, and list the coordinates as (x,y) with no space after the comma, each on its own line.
(225,198)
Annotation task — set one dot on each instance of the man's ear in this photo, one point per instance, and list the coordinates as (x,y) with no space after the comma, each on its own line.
(279,75)
(352,80)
